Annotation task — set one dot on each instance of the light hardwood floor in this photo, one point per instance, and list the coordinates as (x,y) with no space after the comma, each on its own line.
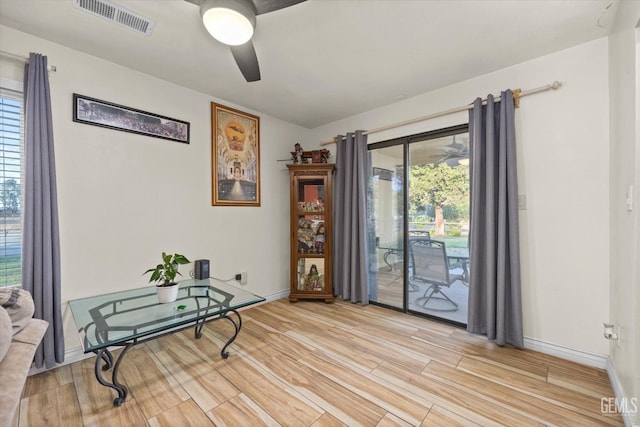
(315,364)
(390,291)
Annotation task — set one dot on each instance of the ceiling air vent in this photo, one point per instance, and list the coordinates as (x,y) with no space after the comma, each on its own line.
(117,14)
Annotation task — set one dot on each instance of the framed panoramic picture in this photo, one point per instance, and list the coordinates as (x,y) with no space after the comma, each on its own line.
(235,151)
(95,112)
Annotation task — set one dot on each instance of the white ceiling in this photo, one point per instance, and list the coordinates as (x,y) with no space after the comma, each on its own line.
(324,60)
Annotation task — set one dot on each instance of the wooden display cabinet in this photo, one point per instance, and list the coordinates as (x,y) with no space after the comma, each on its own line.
(311,231)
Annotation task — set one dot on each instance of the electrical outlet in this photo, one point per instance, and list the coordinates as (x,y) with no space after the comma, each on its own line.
(243,278)
(619,333)
(522,202)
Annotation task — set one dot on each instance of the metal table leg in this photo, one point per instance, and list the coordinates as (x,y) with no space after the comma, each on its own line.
(104,355)
(236,324)
(105,360)
(385,257)
(224,353)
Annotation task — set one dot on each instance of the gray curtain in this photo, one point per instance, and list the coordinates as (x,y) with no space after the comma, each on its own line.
(40,239)
(350,272)
(495,306)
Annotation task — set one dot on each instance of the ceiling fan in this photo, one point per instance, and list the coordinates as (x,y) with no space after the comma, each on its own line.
(454,153)
(232,22)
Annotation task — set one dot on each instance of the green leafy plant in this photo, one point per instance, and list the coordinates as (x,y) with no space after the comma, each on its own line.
(454,231)
(165,273)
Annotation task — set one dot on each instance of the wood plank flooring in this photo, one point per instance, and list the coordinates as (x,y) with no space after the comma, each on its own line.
(315,364)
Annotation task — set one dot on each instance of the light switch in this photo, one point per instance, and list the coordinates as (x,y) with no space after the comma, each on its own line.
(630,198)
(522,202)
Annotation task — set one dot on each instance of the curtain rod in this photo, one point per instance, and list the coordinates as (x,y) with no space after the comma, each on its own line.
(517,94)
(23,59)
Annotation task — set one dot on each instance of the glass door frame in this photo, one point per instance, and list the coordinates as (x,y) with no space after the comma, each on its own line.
(405,141)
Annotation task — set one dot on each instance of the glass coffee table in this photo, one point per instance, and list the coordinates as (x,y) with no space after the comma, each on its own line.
(132,317)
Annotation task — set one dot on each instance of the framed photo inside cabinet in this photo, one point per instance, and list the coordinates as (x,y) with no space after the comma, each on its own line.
(235,151)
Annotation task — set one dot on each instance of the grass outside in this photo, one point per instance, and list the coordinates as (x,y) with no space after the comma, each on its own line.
(449,241)
(454,242)
(10,266)
(10,271)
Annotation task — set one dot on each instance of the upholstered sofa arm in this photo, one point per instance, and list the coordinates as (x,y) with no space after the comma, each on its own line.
(20,336)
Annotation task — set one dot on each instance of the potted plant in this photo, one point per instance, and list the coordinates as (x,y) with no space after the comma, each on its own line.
(164,275)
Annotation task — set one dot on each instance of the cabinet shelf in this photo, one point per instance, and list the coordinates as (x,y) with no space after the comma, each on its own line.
(311,231)
(305,213)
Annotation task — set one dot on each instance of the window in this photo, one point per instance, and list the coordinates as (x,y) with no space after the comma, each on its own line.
(11,180)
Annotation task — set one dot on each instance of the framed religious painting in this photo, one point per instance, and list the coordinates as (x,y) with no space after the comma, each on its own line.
(235,152)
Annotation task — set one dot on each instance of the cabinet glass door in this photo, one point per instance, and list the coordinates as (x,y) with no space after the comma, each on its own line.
(311,226)
(311,275)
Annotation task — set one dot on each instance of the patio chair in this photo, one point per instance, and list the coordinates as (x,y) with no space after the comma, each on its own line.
(431,267)
(419,233)
(416,235)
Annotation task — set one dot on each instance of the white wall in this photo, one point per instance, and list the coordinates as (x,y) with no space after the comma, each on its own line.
(125,198)
(564,172)
(625,164)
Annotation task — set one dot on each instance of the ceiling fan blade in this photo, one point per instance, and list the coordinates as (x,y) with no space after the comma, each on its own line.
(453,161)
(266,6)
(245,56)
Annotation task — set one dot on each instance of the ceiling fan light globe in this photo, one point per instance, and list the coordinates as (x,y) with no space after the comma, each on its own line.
(227,26)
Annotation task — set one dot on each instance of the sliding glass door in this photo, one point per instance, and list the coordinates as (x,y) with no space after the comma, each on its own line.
(438,204)
(419,218)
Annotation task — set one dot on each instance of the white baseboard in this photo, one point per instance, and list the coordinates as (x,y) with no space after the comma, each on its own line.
(618,391)
(71,355)
(583,357)
(278,295)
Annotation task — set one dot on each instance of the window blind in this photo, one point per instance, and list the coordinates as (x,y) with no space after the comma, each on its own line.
(11,182)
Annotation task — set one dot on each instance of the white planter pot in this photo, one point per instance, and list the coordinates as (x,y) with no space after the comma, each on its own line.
(167,293)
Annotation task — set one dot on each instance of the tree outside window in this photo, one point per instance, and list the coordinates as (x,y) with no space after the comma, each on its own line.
(10,197)
(443,189)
